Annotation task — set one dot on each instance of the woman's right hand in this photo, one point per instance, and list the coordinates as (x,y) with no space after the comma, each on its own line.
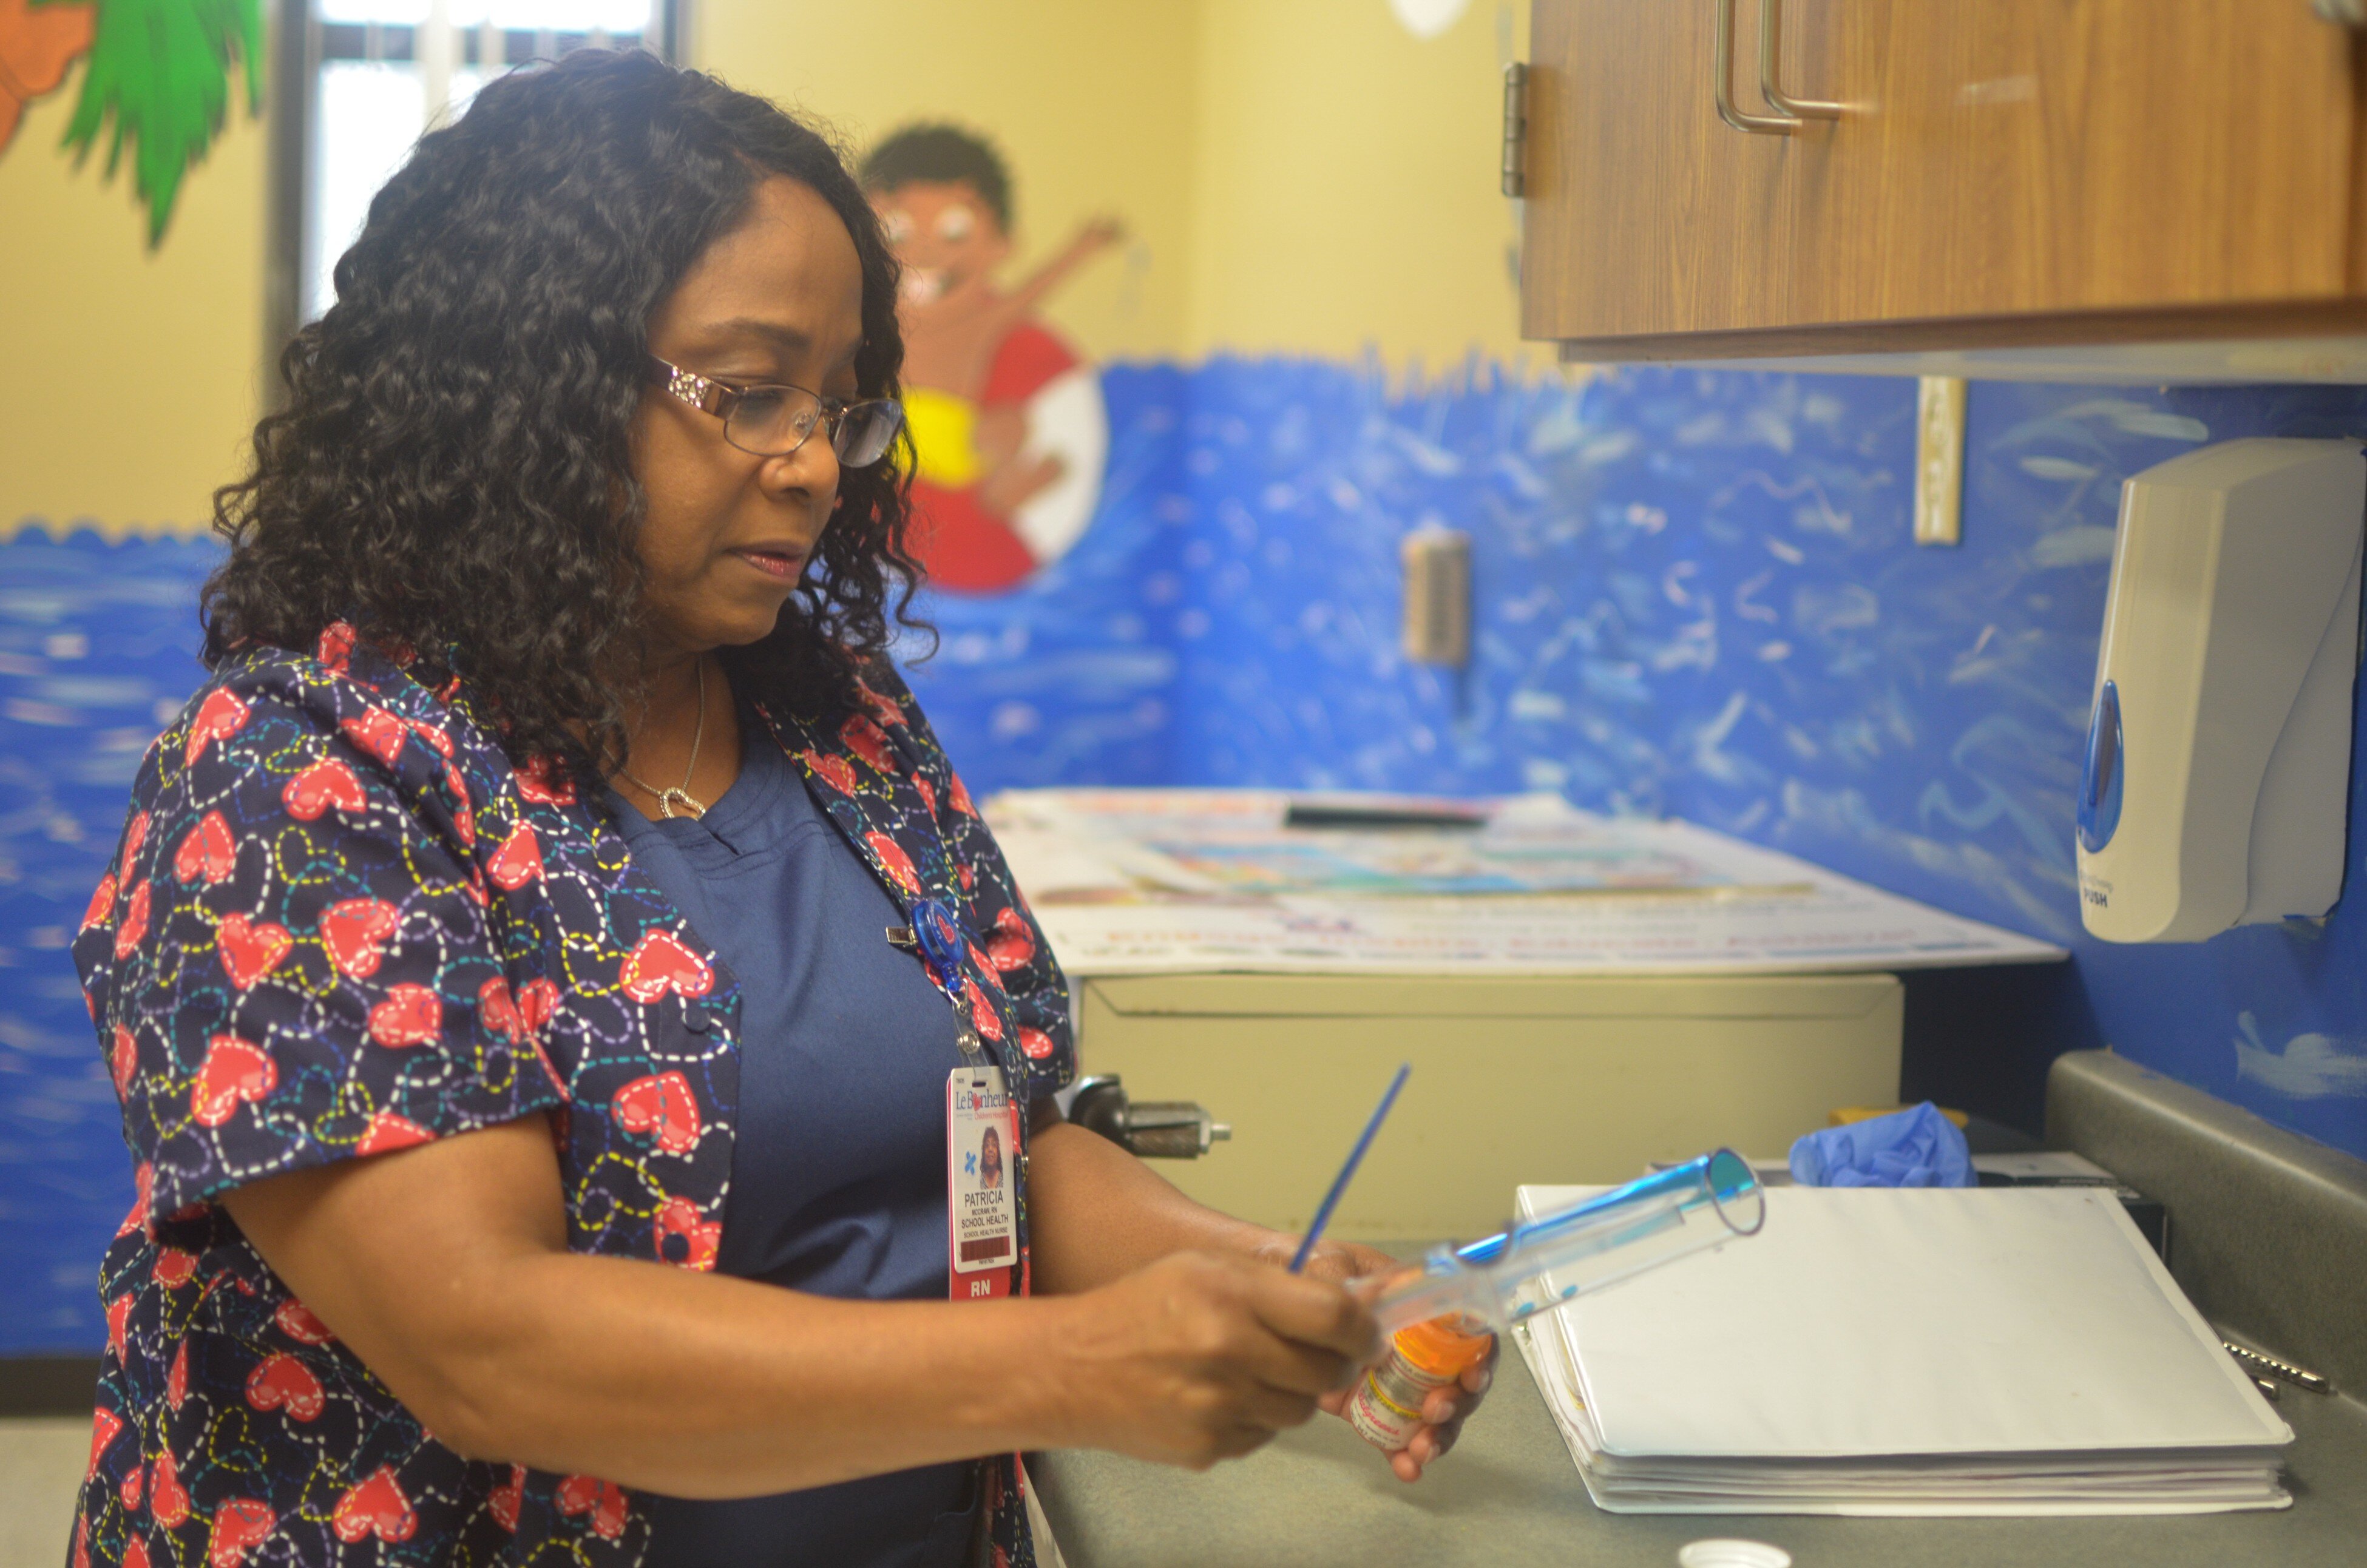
(1201,1356)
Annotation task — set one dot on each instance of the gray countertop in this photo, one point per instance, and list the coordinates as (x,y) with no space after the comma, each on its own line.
(1509,1495)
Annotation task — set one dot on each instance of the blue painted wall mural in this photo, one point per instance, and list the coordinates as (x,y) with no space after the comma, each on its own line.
(1695,594)
(1070,677)
(97,650)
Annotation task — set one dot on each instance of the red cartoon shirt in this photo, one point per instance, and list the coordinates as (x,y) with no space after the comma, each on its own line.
(966,548)
(340,923)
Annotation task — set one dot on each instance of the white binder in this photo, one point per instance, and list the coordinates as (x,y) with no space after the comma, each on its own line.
(1875,1351)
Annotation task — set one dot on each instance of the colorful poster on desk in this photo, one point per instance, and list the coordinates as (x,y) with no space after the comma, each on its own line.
(1146,882)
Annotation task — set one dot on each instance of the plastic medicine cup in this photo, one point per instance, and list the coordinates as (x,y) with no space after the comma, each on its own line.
(1726,1553)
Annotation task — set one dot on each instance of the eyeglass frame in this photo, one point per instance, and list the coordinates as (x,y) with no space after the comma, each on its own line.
(710,396)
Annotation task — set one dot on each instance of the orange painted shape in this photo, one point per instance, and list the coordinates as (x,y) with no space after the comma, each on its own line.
(37,44)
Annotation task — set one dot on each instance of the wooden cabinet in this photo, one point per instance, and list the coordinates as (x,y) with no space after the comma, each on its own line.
(2000,172)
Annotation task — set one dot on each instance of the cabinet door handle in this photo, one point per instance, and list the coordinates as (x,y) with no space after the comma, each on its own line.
(1757,124)
(1771,27)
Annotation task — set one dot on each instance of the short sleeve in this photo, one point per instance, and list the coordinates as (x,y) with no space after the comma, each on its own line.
(295,963)
(1024,363)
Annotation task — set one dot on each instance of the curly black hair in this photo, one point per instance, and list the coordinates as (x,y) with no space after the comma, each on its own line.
(451,470)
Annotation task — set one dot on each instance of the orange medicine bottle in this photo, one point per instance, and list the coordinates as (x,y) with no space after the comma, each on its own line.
(1387,1407)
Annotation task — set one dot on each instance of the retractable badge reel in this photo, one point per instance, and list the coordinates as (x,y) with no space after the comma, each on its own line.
(981,1137)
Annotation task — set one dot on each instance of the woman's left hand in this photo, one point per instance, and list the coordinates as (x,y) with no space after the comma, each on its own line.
(1446,1409)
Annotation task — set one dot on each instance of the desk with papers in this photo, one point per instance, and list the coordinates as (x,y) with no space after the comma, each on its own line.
(1596,992)
(1508,1497)
(1179,881)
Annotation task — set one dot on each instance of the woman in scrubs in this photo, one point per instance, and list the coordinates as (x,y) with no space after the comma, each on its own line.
(587,1068)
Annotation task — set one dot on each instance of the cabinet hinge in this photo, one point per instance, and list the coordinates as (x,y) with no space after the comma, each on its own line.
(1516,129)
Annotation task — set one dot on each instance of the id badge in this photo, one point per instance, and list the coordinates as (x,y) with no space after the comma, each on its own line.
(982,1158)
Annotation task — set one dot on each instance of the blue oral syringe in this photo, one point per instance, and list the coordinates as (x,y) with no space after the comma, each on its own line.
(1541,1263)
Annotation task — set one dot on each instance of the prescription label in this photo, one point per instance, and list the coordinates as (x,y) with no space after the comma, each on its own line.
(981,1151)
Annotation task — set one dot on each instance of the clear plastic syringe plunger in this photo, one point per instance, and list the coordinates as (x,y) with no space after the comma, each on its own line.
(1590,1245)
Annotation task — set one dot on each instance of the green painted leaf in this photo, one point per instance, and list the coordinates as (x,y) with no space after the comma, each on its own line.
(160,70)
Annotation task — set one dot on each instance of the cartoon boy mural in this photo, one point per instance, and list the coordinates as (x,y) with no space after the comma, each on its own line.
(1007,420)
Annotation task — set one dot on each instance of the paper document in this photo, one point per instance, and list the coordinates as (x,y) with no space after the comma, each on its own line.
(1168,881)
(1223,841)
(1917,1351)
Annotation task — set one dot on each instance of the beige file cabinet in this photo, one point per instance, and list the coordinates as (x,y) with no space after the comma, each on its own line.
(1515,1080)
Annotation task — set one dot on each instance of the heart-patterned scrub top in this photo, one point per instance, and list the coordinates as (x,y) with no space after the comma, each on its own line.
(339,923)
(838,1173)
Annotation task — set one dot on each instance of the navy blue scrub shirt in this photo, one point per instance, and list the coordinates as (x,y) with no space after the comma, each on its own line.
(838,1182)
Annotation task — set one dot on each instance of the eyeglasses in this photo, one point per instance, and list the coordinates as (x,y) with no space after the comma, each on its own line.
(773,422)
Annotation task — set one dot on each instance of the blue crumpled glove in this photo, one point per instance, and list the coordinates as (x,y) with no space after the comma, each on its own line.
(1914,1147)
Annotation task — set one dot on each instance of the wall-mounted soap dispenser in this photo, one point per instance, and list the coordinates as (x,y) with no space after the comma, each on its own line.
(2218,759)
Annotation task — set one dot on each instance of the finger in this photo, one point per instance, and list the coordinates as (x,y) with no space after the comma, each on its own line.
(1429,1445)
(1406,1466)
(1478,1380)
(1314,1313)
(1440,1405)
(1252,1347)
(1271,1410)
(1329,1263)
(1348,1260)
(1373,1260)
(1372,1274)
(1296,1369)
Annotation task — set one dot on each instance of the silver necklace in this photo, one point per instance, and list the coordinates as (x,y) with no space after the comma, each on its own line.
(668,799)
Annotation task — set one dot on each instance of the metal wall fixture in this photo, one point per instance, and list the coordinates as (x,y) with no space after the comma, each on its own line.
(1151,1129)
(1939,460)
(1437,564)
(1516,130)
(1795,112)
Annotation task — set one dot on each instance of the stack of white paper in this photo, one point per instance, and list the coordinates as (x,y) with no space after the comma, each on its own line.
(1873,1351)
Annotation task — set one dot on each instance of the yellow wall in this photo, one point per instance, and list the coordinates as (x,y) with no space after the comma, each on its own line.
(1301,177)
(1346,174)
(129,379)
(1298,177)
(1091,101)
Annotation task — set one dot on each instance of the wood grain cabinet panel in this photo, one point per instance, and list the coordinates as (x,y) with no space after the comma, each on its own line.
(2004,171)
(1645,213)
